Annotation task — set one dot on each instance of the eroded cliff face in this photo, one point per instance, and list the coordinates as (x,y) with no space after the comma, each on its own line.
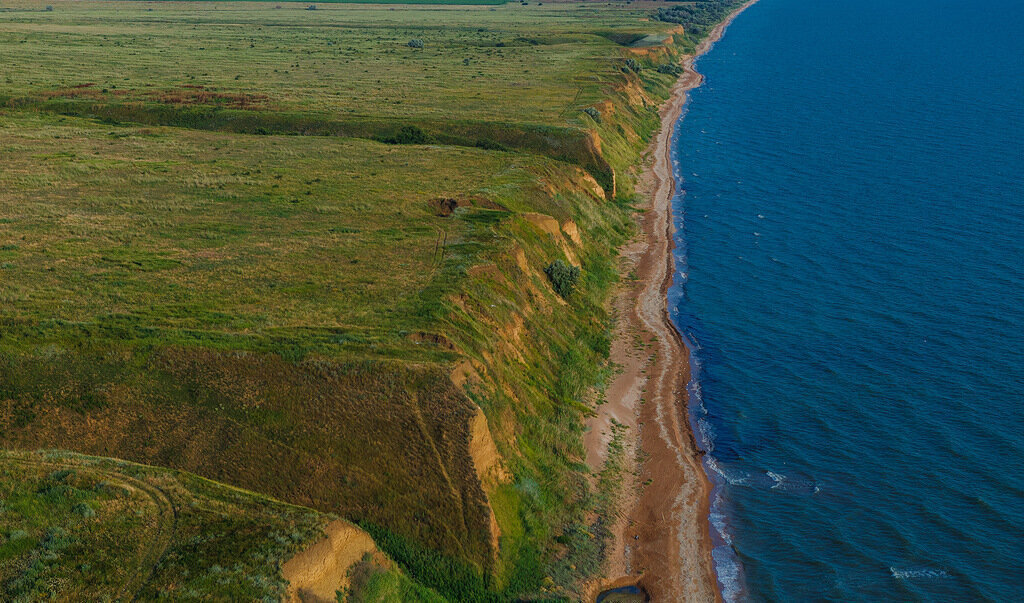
(535,361)
(318,572)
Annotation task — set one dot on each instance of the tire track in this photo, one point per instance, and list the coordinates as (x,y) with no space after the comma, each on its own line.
(167,517)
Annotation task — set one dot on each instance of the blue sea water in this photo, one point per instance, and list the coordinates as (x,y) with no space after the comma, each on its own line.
(850,248)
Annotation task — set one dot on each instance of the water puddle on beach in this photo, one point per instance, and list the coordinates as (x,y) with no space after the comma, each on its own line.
(623,594)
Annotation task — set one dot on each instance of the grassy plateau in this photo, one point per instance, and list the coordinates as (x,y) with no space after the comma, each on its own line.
(309,254)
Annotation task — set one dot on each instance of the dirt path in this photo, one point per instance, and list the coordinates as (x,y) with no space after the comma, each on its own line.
(662,542)
(151,551)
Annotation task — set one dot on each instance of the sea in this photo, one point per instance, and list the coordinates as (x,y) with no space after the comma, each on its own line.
(850,281)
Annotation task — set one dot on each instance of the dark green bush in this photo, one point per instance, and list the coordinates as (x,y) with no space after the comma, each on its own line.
(563,277)
(593,113)
(415,43)
(490,145)
(407,135)
(670,68)
(84,510)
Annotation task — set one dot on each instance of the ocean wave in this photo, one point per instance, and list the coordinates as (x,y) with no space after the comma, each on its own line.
(918,573)
(729,572)
(784,483)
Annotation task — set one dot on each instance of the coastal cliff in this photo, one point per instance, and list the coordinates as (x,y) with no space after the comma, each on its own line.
(405,321)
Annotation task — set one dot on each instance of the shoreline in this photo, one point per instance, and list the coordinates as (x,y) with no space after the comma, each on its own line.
(662,542)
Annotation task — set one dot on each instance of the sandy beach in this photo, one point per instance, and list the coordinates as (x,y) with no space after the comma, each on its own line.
(662,540)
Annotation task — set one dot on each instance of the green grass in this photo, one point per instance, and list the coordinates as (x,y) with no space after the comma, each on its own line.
(237,238)
(487,75)
(371,583)
(178,234)
(527,64)
(77,527)
(306,3)
(150,261)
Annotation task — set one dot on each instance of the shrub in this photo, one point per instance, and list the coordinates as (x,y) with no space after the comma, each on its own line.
(56,539)
(490,145)
(632,65)
(563,277)
(415,43)
(670,68)
(84,510)
(407,135)
(592,112)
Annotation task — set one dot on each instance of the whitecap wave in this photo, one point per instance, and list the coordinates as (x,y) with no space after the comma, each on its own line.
(918,573)
(730,477)
(729,572)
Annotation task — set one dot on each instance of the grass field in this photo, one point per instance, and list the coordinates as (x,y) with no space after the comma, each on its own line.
(285,250)
(511,76)
(243,241)
(510,64)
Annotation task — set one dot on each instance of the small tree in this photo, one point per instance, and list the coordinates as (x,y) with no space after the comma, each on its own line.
(415,43)
(563,277)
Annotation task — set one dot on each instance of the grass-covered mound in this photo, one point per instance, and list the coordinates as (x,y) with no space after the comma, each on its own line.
(76,528)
